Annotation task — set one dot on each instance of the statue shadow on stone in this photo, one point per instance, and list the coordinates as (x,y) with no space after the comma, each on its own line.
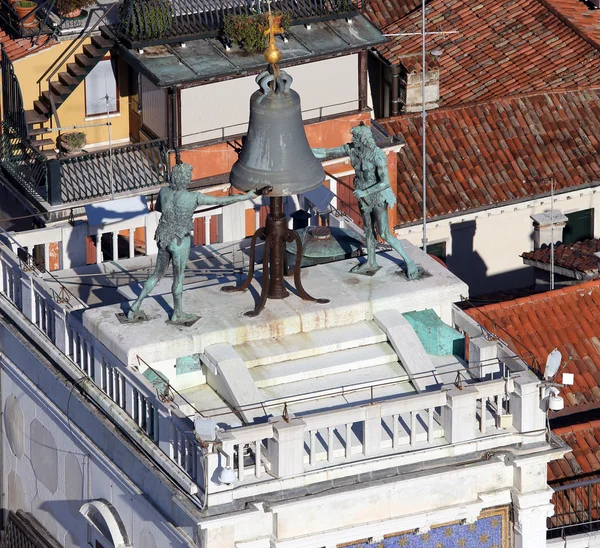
(174,239)
(374,194)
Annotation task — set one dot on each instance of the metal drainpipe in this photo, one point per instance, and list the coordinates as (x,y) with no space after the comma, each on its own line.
(173,138)
(395,100)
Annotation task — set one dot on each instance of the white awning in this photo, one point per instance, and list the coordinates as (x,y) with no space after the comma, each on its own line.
(114,211)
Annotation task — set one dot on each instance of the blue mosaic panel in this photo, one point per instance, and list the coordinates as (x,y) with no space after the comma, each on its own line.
(486,532)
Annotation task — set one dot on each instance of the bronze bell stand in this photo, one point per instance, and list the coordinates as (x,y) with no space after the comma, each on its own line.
(275,233)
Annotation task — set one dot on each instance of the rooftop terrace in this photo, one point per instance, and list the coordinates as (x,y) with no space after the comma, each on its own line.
(377,378)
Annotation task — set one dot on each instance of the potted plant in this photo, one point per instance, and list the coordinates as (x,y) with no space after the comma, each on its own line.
(72,142)
(24,9)
(71,9)
(248,31)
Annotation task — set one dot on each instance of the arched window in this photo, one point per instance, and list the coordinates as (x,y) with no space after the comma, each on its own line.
(106,523)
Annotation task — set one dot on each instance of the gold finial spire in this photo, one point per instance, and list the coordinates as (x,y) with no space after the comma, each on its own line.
(272,53)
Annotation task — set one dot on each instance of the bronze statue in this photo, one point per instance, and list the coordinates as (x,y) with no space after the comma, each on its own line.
(173,237)
(374,193)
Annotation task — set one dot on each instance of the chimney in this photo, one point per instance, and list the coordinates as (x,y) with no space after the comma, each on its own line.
(542,225)
(410,91)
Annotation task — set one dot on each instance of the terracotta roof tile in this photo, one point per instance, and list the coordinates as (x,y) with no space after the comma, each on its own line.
(473,136)
(583,458)
(580,15)
(502,47)
(578,256)
(17,48)
(532,326)
(384,12)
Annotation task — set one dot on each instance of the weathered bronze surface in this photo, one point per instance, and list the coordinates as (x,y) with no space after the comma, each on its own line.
(275,234)
(324,244)
(276,151)
(173,236)
(372,184)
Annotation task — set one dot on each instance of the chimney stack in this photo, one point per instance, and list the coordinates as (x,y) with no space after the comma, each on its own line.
(542,224)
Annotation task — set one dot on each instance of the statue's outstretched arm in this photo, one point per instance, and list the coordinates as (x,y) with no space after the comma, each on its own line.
(204,199)
(330,153)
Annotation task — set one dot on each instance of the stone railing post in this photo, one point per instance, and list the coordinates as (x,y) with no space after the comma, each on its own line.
(27,296)
(528,416)
(61,339)
(459,414)
(286,448)
(483,357)
(372,430)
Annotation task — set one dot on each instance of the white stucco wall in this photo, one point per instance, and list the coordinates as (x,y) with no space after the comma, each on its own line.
(225,104)
(50,467)
(483,249)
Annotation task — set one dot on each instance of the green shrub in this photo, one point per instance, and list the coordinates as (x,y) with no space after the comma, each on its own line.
(146,19)
(25,4)
(248,31)
(67,6)
(75,139)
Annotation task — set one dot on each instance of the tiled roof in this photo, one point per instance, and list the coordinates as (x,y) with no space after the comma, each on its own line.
(501,47)
(384,12)
(584,458)
(480,155)
(581,15)
(578,256)
(17,48)
(566,319)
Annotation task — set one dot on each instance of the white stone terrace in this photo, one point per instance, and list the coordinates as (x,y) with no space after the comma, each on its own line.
(302,394)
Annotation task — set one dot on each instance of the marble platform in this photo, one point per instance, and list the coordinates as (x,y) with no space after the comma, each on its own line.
(353,298)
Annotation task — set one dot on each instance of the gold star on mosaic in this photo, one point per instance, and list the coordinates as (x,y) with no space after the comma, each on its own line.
(484,537)
(495,546)
(462,542)
(495,522)
(439,545)
(403,542)
(472,526)
(425,537)
(448,532)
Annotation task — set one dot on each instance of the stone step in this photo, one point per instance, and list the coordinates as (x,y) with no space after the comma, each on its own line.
(323,365)
(313,343)
(339,389)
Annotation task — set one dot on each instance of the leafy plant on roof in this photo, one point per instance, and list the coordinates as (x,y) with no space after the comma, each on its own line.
(146,19)
(68,7)
(73,141)
(248,31)
(343,6)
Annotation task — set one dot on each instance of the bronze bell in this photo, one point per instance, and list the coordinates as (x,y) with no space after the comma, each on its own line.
(276,152)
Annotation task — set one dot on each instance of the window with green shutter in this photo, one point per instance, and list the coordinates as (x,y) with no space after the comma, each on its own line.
(580,226)
(437,250)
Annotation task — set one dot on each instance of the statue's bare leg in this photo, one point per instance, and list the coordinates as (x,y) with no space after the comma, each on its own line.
(181,253)
(381,216)
(162,263)
(371,264)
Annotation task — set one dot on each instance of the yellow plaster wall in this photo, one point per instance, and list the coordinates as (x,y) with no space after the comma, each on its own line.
(72,111)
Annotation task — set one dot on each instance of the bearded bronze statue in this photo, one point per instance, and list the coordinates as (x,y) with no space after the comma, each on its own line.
(374,193)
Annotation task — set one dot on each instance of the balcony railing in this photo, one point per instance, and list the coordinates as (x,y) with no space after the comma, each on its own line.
(576,509)
(149,22)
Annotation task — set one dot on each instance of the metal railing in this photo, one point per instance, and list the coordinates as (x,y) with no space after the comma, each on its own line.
(147,22)
(26,166)
(576,509)
(102,173)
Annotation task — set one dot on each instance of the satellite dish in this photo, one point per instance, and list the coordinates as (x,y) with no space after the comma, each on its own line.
(553,362)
